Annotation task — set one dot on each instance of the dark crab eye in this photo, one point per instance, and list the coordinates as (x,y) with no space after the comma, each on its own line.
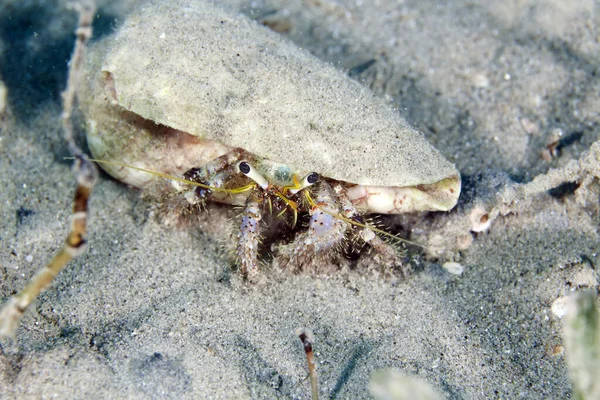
(312,178)
(244,168)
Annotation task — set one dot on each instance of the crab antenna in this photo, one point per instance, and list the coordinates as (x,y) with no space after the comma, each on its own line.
(307,181)
(173,178)
(339,216)
(251,172)
(289,203)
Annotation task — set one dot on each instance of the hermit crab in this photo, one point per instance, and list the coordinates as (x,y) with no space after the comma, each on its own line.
(246,118)
(231,112)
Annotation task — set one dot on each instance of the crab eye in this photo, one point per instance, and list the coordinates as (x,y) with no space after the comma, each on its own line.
(244,168)
(251,172)
(312,178)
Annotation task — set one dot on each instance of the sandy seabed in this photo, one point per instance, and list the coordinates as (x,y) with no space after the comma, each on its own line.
(150,312)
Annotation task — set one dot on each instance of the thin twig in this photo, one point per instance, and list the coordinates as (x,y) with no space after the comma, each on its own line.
(307,339)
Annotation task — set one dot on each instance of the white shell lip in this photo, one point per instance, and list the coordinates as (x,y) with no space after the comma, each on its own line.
(205,77)
(397,200)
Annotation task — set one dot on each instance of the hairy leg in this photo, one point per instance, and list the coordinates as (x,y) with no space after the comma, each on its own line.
(249,237)
(387,255)
(325,234)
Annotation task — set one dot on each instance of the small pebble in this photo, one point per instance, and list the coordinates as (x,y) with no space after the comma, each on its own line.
(529,126)
(557,351)
(453,267)
(464,242)
(29,258)
(480,81)
(480,219)
(559,307)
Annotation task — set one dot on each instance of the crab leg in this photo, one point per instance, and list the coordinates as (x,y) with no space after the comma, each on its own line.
(248,237)
(325,231)
(86,175)
(330,218)
(386,252)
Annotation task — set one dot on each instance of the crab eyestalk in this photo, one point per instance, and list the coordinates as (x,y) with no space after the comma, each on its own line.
(251,172)
(307,181)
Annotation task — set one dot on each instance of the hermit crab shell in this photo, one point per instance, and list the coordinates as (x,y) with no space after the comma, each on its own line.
(221,77)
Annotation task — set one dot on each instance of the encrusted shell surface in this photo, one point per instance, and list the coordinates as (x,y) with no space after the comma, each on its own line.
(222,77)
